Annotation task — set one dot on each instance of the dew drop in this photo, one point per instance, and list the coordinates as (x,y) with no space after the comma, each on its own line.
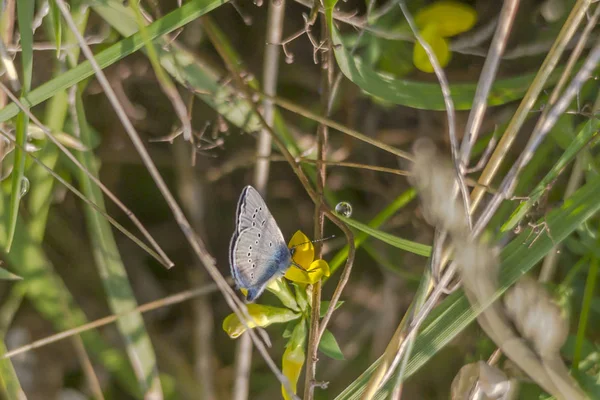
(344,208)
(24,187)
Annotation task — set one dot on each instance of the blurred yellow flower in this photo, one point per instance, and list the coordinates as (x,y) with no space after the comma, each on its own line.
(303,254)
(436,22)
(261,316)
(293,358)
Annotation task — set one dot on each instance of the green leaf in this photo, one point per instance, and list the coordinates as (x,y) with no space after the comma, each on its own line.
(56,25)
(301,296)
(289,328)
(18,179)
(8,377)
(329,346)
(47,293)
(422,95)
(376,222)
(8,276)
(112,271)
(42,182)
(454,314)
(325,305)
(167,24)
(587,133)
(404,244)
(9,381)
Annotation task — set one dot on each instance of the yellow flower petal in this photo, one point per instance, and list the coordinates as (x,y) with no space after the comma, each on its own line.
(449,17)
(297,275)
(261,316)
(320,265)
(293,360)
(304,251)
(438,44)
(293,357)
(316,271)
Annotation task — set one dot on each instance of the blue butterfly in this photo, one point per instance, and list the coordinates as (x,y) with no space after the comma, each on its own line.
(257,252)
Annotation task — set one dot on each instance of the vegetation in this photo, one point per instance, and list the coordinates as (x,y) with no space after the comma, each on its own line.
(437,161)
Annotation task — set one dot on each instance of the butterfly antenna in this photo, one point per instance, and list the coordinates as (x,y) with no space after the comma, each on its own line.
(314,241)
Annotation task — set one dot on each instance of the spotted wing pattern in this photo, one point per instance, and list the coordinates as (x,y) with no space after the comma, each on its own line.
(258,251)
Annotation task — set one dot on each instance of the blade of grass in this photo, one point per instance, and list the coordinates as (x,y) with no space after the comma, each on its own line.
(422,95)
(375,223)
(376,255)
(585,135)
(113,274)
(544,75)
(24,17)
(42,182)
(8,276)
(584,317)
(403,244)
(8,377)
(455,314)
(9,381)
(167,86)
(56,26)
(125,47)
(48,294)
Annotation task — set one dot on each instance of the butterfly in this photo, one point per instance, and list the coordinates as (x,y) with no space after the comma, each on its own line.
(257,251)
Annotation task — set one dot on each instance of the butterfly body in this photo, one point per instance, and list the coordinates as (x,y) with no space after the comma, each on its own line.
(257,252)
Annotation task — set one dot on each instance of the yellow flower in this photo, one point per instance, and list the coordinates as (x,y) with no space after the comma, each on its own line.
(293,358)
(261,316)
(436,22)
(303,254)
(438,44)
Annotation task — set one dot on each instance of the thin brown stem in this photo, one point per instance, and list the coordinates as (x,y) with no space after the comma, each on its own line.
(159,256)
(327,70)
(153,305)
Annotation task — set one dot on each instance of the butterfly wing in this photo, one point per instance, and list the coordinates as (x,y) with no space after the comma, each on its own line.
(258,251)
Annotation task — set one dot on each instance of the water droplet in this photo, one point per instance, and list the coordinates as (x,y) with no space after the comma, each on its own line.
(344,208)
(24,187)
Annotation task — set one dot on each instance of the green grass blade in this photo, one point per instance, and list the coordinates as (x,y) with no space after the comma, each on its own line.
(422,95)
(8,276)
(114,53)
(114,276)
(25,18)
(589,130)
(454,314)
(8,377)
(375,223)
(56,25)
(42,182)
(48,294)
(9,381)
(403,244)
(584,317)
